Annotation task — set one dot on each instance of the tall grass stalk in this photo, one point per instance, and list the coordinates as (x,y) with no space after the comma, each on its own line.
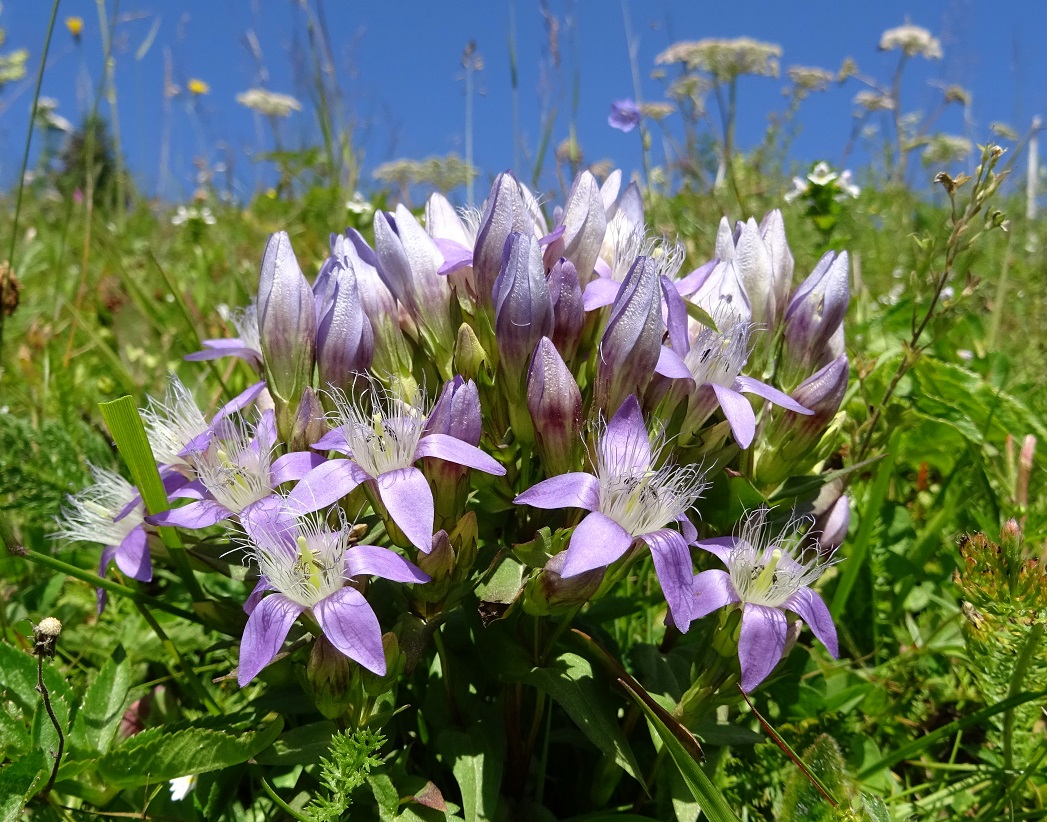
(25,158)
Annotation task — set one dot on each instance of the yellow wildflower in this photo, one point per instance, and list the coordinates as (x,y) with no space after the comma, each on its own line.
(197,87)
(75,26)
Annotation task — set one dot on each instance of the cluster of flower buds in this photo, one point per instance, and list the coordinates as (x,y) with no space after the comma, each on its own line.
(472,380)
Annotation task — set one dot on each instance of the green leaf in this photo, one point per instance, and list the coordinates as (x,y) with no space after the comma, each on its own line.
(802,800)
(16,781)
(303,745)
(159,754)
(569,680)
(476,762)
(104,703)
(18,679)
(708,795)
(125,424)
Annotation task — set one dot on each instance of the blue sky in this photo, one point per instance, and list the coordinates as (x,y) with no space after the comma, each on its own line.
(398,64)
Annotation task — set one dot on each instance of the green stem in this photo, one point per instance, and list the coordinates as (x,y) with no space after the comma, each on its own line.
(136,597)
(25,159)
(283,805)
(194,684)
(1021,667)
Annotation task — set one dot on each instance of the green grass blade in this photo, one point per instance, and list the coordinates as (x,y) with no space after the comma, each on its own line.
(935,736)
(712,801)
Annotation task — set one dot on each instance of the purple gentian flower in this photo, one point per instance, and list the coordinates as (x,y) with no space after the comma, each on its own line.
(235,471)
(715,358)
(245,344)
(625,115)
(109,512)
(768,575)
(629,500)
(384,440)
(305,565)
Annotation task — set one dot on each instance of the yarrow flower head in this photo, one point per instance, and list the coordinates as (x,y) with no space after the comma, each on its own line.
(109,512)
(913,41)
(304,566)
(629,499)
(383,434)
(768,573)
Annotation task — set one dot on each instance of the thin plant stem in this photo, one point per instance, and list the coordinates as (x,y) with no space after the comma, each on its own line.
(54,719)
(194,684)
(25,159)
(634,67)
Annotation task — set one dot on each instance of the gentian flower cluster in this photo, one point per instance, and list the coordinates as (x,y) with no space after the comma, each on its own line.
(463,382)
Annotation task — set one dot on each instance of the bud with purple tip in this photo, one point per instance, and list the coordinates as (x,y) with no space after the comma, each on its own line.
(789,444)
(456,414)
(344,339)
(555,404)
(504,212)
(585,224)
(814,319)
(568,312)
(286,328)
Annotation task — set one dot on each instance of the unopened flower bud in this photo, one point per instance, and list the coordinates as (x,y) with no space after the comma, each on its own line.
(632,341)
(523,312)
(753,264)
(772,230)
(831,526)
(375,685)
(549,593)
(814,317)
(456,414)
(789,442)
(439,565)
(286,327)
(309,423)
(585,223)
(45,636)
(565,292)
(555,404)
(469,354)
(329,676)
(344,339)
(504,212)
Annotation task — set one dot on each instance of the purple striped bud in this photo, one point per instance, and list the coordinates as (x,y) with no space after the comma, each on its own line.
(831,525)
(286,328)
(309,423)
(789,444)
(344,338)
(568,312)
(772,230)
(523,311)
(753,264)
(505,211)
(550,593)
(555,404)
(632,341)
(455,414)
(391,355)
(815,316)
(585,223)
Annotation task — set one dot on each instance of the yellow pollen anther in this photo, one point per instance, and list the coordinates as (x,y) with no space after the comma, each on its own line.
(309,562)
(766,578)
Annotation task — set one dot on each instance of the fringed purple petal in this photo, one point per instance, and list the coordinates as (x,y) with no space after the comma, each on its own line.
(199,514)
(452,449)
(409,500)
(690,533)
(108,552)
(675,571)
(768,392)
(240,401)
(671,365)
(574,490)
(371,560)
(713,590)
(597,541)
(333,441)
(626,442)
(256,595)
(294,466)
(455,255)
(325,485)
(599,292)
(720,546)
(265,632)
(812,610)
(739,414)
(675,317)
(132,555)
(351,626)
(760,643)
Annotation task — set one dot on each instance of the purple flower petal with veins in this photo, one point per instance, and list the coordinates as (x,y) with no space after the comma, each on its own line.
(769,573)
(629,501)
